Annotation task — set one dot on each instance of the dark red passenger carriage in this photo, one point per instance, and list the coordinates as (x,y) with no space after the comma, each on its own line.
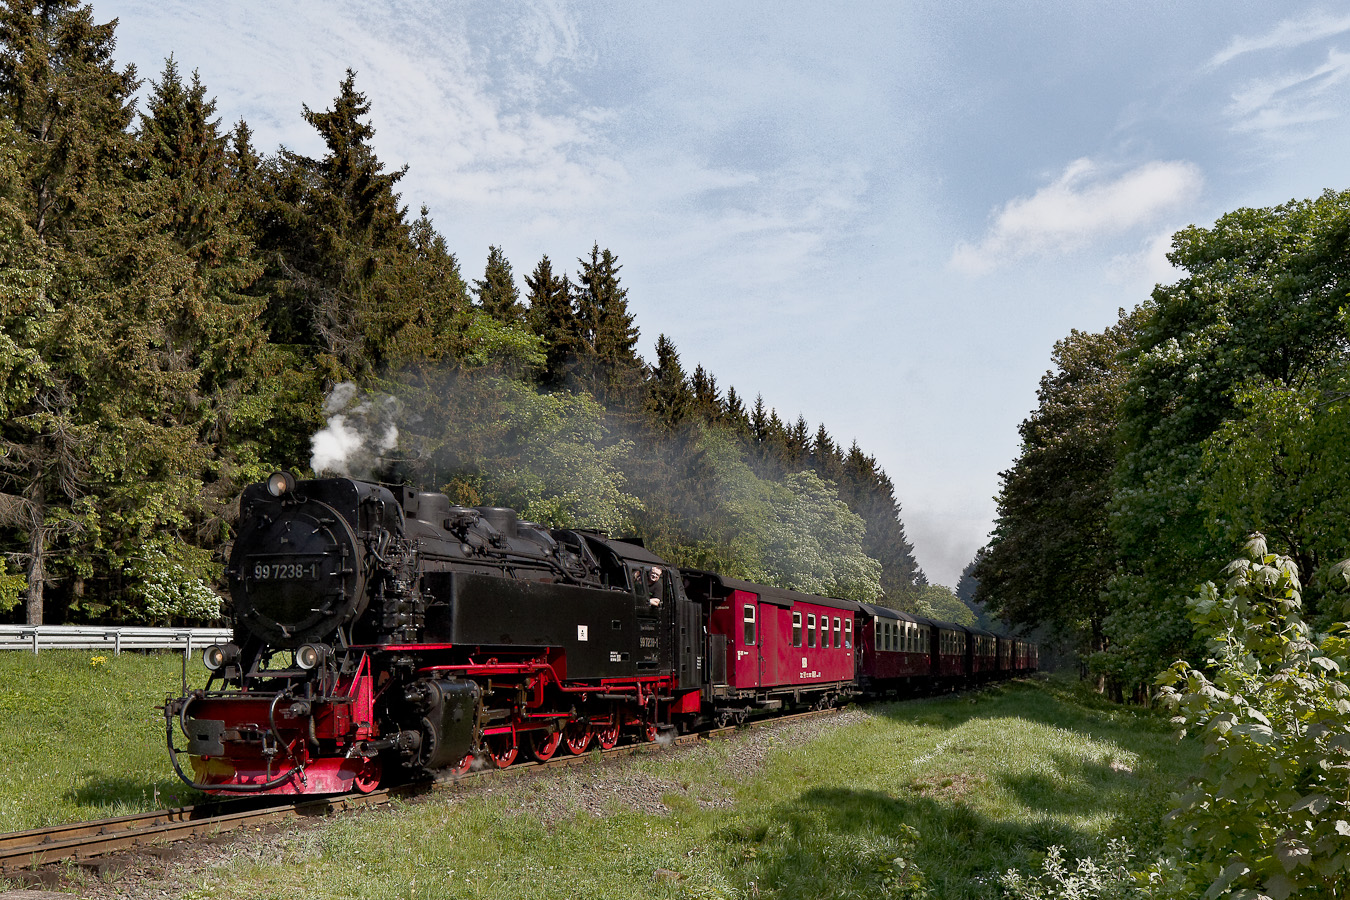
(949,654)
(983,649)
(894,649)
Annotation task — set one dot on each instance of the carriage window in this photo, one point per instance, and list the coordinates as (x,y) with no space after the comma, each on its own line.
(877,628)
(890,636)
(749,625)
(810,631)
(848,632)
(838,632)
(796,629)
(823,635)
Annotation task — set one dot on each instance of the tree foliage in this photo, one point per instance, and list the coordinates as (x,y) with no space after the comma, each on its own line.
(1051,551)
(1269,813)
(1212,410)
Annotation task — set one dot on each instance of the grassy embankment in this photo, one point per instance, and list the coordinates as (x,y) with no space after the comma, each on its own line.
(82,737)
(986,783)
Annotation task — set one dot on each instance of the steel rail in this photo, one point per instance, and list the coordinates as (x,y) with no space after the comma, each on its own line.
(85,840)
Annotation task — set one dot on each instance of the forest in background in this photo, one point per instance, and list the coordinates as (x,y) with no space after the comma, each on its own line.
(183,313)
(1215,410)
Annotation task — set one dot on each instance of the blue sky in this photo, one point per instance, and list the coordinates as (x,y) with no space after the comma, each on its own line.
(880,216)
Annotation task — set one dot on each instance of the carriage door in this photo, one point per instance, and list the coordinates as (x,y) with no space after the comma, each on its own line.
(749,643)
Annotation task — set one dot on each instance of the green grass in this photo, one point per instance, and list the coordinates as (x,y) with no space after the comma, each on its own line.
(83,739)
(955,790)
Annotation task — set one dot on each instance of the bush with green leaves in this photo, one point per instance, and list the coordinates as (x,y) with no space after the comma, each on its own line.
(1268,816)
(174,581)
(1110,879)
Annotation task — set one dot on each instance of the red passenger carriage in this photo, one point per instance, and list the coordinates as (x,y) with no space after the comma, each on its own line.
(769,647)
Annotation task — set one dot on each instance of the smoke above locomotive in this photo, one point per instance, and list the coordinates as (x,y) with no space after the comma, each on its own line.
(359,431)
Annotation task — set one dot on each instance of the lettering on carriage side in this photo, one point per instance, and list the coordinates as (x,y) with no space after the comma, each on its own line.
(808,675)
(583,632)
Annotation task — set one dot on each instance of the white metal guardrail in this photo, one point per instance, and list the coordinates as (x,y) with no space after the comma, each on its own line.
(104,637)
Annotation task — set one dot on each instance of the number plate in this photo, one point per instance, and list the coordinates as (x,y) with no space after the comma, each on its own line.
(286,571)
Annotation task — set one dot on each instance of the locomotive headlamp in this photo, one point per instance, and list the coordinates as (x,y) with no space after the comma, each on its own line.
(217,656)
(280,484)
(310,656)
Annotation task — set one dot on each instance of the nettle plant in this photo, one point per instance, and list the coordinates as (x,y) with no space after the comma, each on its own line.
(1269,814)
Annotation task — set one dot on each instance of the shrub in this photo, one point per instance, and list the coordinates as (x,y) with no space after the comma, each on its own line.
(1269,813)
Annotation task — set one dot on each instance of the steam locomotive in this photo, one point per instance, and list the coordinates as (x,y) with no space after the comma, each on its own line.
(379,631)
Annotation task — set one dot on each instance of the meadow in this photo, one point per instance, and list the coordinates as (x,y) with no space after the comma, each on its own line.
(930,798)
(83,739)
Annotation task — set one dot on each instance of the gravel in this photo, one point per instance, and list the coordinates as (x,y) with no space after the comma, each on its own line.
(175,871)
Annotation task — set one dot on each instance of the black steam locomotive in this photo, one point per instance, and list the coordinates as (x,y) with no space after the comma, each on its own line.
(379,630)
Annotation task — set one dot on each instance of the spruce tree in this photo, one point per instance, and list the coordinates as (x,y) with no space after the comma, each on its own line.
(185,169)
(553,316)
(497,293)
(826,459)
(608,362)
(669,400)
(735,414)
(707,398)
(66,109)
(759,423)
(339,238)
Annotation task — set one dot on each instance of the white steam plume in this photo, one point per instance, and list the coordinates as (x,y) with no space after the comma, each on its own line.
(357,435)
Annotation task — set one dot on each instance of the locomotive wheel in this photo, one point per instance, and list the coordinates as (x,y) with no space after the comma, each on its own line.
(368,778)
(578,738)
(464,765)
(607,736)
(543,744)
(502,749)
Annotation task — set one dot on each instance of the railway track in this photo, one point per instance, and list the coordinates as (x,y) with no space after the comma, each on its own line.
(87,840)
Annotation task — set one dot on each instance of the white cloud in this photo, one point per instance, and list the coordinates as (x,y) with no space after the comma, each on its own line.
(1079,207)
(1275,105)
(1148,265)
(1287,34)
